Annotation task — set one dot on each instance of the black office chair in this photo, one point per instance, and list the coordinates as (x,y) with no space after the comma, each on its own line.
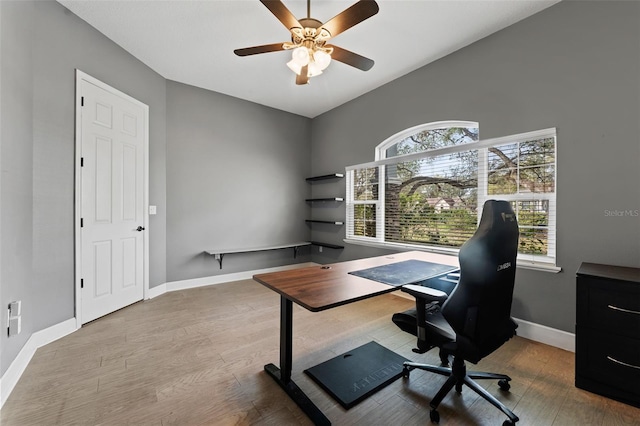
(474,319)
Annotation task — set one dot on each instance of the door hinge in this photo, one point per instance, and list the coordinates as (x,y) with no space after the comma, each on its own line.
(81,283)
(81,100)
(81,161)
(81,222)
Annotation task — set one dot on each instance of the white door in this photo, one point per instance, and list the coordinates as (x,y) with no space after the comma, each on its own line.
(112,200)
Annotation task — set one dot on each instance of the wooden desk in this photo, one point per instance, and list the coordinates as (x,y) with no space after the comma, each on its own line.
(317,288)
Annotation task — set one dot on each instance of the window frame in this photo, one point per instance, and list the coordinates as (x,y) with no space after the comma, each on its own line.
(529,261)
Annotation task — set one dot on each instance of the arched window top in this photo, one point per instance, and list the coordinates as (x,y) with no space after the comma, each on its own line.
(426,137)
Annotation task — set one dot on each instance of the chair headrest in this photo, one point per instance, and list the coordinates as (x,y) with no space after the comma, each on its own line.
(497,220)
(495,213)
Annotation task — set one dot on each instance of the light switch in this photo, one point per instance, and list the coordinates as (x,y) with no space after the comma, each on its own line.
(15,308)
(152,210)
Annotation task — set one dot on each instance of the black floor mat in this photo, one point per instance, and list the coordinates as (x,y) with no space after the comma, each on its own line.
(405,272)
(353,376)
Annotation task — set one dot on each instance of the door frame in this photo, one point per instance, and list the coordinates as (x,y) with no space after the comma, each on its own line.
(82,76)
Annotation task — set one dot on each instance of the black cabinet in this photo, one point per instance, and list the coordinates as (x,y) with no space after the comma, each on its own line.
(608,331)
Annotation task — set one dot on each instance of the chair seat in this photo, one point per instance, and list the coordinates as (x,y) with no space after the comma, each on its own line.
(436,327)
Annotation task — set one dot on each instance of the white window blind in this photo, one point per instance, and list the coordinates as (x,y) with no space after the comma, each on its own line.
(522,169)
(430,198)
(363,194)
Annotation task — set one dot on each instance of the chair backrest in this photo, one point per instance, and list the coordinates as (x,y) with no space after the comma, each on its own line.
(479,308)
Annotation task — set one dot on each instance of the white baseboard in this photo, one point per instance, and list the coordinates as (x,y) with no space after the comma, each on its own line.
(526,329)
(536,332)
(547,335)
(219,279)
(38,339)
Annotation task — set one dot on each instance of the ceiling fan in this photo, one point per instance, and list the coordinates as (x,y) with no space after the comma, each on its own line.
(310,52)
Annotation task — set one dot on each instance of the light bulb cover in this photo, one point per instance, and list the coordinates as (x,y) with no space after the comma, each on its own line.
(300,56)
(314,69)
(322,58)
(294,66)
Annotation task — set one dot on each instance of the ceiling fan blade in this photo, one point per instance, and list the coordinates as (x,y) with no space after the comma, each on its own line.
(281,12)
(303,77)
(351,16)
(347,57)
(275,47)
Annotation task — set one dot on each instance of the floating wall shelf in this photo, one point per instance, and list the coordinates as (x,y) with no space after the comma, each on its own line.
(330,222)
(332,176)
(325,177)
(327,245)
(325,199)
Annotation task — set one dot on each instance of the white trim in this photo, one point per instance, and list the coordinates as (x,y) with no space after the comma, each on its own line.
(536,332)
(20,363)
(40,338)
(156,291)
(483,143)
(369,242)
(82,76)
(394,139)
(528,330)
(547,335)
(220,279)
(539,266)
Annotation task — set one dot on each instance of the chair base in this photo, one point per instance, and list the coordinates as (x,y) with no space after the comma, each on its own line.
(458,376)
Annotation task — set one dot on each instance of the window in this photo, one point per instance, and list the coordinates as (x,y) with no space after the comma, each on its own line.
(522,169)
(428,183)
(362,190)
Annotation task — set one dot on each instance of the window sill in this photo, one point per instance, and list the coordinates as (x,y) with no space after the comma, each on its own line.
(544,267)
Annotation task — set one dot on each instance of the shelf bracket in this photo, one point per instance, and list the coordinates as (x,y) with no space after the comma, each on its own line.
(219,258)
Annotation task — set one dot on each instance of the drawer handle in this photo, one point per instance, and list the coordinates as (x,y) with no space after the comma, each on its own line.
(622,363)
(615,308)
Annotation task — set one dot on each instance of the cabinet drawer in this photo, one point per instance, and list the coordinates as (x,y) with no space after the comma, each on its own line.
(608,306)
(609,359)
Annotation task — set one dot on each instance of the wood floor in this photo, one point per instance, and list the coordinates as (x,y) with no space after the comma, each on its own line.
(196,357)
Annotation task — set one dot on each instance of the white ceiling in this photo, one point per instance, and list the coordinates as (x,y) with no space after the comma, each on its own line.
(192,42)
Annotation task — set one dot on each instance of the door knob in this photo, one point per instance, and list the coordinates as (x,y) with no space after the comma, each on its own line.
(140,228)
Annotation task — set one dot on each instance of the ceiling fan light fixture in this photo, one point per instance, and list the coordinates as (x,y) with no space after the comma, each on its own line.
(310,53)
(322,59)
(300,56)
(294,66)
(314,69)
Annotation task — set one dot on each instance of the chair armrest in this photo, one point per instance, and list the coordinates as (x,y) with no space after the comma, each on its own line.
(426,293)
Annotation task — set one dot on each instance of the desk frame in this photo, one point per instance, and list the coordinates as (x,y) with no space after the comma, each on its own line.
(282,375)
(318,288)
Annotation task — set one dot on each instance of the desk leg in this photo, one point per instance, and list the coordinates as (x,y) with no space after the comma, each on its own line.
(282,375)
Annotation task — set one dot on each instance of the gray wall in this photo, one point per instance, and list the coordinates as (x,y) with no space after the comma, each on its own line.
(235,178)
(42,45)
(225,172)
(574,66)
(16,153)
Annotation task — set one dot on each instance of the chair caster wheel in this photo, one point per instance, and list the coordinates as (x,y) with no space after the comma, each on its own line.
(508,423)
(435,416)
(405,372)
(505,386)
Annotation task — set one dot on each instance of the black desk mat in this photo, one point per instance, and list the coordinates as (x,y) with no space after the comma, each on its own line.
(353,376)
(405,272)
